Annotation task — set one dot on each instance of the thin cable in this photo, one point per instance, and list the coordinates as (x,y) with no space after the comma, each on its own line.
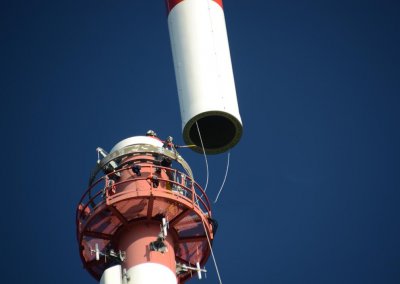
(205,156)
(212,254)
(226,174)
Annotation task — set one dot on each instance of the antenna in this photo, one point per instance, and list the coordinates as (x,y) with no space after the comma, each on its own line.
(198,270)
(165,226)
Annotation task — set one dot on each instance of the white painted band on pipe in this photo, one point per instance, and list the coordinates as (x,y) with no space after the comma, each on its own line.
(112,275)
(204,75)
(150,273)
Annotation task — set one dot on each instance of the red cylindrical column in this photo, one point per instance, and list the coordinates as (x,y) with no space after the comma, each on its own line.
(142,264)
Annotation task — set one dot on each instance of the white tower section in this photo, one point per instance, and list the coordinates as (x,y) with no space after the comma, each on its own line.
(150,273)
(146,273)
(204,75)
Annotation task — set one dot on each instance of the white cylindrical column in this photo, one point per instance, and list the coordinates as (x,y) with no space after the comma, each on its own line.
(112,275)
(150,273)
(204,75)
(145,273)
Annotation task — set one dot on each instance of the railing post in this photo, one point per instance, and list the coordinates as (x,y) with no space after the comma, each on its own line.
(193,191)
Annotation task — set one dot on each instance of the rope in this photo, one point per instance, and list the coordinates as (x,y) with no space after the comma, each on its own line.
(223,183)
(205,156)
(212,254)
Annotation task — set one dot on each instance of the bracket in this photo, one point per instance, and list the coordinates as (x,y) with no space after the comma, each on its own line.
(120,256)
(159,245)
(184,268)
(164,227)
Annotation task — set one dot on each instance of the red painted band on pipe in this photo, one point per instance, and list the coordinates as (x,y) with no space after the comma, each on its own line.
(172,3)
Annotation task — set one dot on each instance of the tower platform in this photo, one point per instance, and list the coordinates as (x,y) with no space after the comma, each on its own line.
(132,192)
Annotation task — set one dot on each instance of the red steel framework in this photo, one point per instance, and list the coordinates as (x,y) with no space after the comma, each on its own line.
(125,199)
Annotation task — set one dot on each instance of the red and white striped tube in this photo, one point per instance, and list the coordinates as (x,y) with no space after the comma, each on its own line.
(204,74)
(142,266)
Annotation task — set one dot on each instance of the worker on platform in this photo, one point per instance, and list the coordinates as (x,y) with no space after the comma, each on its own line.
(163,160)
(168,143)
(167,162)
(153,134)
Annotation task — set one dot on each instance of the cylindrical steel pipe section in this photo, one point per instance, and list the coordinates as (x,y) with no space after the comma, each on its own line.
(204,75)
(144,266)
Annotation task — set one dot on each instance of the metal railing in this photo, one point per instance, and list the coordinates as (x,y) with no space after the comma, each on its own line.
(177,183)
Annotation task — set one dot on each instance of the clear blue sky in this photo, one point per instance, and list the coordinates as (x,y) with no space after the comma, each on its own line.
(312,194)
